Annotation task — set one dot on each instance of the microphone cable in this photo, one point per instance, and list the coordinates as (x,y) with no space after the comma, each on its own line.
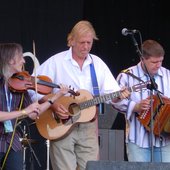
(12,137)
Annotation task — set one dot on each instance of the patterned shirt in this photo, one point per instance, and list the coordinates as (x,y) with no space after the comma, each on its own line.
(5,138)
(136,132)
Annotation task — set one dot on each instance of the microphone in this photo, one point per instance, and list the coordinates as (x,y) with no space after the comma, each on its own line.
(126,32)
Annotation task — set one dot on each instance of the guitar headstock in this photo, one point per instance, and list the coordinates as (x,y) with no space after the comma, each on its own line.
(139,87)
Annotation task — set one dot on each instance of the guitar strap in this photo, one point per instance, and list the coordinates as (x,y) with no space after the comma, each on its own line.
(94,80)
(130,74)
(95,86)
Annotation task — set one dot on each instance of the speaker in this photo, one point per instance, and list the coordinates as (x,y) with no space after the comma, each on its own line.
(111,144)
(107,115)
(123,165)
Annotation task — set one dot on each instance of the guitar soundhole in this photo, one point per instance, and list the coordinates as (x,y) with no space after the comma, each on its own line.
(74,109)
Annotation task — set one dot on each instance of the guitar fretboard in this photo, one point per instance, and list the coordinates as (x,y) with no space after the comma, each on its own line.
(107,97)
(99,99)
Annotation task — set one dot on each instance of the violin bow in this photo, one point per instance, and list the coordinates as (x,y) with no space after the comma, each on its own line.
(35,74)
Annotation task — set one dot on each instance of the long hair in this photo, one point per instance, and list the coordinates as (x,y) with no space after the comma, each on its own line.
(81,28)
(7,52)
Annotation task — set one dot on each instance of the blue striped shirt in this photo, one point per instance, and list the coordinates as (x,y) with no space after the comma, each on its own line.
(135,131)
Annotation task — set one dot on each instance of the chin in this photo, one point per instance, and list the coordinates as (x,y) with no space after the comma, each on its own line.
(19,70)
(156,72)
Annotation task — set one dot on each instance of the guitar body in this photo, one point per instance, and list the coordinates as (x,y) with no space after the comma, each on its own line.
(81,109)
(51,128)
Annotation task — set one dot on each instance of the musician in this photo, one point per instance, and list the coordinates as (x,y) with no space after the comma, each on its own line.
(72,67)
(139,140)
(14,105)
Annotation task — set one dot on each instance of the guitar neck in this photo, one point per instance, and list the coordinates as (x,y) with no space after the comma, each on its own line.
(98,100)
(102,99)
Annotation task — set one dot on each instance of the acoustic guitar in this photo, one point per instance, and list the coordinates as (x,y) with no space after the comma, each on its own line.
(81,110)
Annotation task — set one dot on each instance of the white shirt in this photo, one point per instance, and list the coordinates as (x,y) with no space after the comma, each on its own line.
(136,133)
(63,69)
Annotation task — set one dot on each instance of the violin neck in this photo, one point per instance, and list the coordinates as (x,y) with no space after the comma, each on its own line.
(49,84)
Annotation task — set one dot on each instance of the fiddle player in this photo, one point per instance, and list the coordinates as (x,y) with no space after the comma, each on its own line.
(139,141)
(14,105)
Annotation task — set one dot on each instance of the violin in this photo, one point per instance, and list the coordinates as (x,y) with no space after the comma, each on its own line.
(22,81)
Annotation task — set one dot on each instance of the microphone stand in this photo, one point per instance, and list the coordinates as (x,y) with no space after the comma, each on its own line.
(136,45)
(30,147)
(48,156)
(33,153)
(153,86)
(24,149)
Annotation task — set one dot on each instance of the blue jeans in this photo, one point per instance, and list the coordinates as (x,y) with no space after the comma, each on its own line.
(138,154)
(13,161)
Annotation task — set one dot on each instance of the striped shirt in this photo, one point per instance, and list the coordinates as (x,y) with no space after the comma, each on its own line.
(5,138)
(135,132)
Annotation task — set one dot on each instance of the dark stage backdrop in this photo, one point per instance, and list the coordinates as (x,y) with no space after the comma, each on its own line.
(151,18)
(47,23)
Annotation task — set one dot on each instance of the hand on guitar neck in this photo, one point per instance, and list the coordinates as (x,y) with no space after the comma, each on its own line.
(124,94)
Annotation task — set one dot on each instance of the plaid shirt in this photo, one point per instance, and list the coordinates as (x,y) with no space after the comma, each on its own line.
(6,137)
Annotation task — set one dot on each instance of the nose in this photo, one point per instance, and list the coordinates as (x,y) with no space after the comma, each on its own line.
(159,65)
(85,45)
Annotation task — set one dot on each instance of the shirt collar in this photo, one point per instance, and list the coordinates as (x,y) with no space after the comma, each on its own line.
(69,57)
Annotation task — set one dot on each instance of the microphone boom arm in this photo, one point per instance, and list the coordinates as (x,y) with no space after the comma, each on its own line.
(136,45)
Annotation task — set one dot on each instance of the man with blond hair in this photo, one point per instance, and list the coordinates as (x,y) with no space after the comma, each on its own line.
(72,67)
